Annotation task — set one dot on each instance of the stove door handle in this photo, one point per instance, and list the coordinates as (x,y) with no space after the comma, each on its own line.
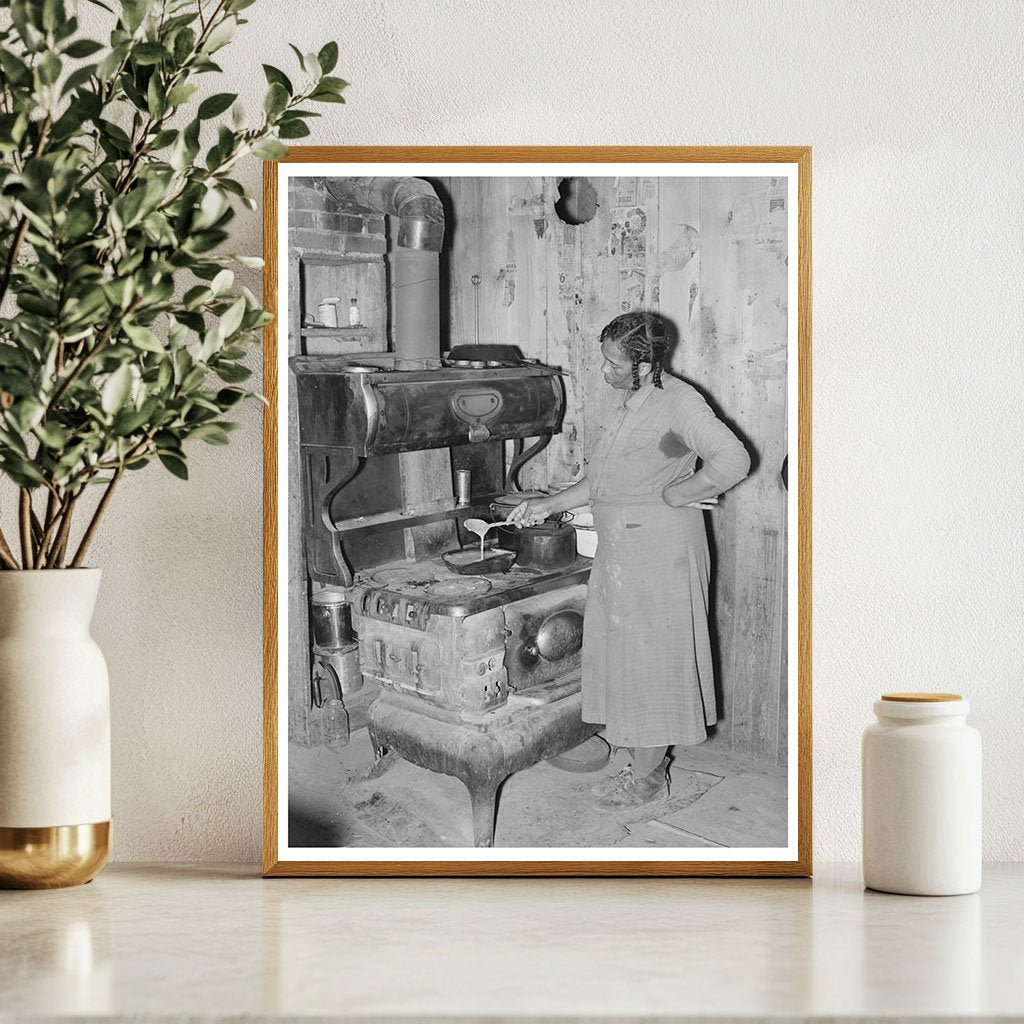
(378,652)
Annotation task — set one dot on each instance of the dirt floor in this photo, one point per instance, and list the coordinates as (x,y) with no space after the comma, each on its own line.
(716,799)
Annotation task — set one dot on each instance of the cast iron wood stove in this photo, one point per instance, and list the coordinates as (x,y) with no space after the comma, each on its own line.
(479,675)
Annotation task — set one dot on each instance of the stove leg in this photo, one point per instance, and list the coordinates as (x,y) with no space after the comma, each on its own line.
(483,798)
(379,749)
(384,762)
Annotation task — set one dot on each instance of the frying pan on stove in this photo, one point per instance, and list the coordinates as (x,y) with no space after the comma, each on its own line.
(468,562)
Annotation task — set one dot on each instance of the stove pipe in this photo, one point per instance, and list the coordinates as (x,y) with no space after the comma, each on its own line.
(414,266)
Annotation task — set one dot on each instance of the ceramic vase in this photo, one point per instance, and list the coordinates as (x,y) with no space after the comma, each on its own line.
(54,731)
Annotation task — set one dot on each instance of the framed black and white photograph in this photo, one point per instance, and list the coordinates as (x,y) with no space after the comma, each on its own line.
(537,511)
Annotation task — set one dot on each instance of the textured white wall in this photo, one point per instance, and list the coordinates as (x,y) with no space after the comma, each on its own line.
(913,110)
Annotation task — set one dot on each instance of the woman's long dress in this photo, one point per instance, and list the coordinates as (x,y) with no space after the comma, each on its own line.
(647,668)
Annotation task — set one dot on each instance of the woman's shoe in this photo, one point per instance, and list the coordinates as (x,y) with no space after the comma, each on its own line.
(634,793)
(608,785)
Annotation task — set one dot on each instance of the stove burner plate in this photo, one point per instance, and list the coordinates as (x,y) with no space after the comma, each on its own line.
(469,586)
(480,364)
(404,576)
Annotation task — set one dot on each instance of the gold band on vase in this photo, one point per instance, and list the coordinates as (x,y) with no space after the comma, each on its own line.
(52,857)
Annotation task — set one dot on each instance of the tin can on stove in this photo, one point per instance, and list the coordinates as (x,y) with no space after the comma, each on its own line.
(463,487)
(332,620)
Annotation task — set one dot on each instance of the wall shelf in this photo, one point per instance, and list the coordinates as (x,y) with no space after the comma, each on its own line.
(312,331)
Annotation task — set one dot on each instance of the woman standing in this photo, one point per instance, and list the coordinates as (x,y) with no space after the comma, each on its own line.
(647,668)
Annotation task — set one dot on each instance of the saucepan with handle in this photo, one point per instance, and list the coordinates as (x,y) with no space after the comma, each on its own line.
(548,545)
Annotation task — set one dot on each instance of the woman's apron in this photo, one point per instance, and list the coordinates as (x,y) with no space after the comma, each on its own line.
(647,667)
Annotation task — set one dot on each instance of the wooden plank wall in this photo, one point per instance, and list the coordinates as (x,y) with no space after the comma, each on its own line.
(710,254)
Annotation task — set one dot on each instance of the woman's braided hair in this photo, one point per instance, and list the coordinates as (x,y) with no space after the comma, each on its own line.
(643,337)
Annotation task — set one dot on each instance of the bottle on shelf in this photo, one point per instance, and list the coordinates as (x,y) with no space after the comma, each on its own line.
(353,314)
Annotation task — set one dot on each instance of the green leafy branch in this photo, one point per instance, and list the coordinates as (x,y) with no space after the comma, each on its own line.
(116,194)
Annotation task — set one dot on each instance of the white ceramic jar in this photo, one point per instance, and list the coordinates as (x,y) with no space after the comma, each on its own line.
(921,779)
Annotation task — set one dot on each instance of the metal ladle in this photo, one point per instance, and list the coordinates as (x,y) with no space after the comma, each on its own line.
(480,528)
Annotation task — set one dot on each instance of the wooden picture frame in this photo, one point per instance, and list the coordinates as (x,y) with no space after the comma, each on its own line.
(788,169)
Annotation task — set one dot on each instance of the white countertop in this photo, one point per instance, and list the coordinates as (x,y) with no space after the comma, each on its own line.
(178,941)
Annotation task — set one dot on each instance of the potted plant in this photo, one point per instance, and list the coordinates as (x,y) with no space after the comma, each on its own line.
(122,340)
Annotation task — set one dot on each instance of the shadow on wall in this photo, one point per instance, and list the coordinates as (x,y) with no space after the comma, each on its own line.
(709,524)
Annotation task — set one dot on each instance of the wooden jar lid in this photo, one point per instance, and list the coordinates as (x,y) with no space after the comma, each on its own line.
(921,698)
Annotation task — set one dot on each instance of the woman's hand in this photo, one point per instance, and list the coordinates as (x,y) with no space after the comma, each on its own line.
(675,495)
(528,513)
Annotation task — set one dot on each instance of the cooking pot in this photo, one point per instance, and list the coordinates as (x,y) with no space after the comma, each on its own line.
(548,545)
(502,506)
